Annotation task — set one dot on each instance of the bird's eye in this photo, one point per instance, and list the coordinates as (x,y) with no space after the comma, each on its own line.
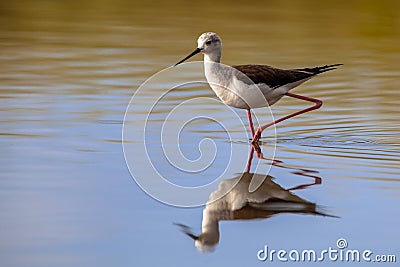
(208,42)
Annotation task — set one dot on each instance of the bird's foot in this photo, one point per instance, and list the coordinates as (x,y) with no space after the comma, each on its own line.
(255,144)
(256,137)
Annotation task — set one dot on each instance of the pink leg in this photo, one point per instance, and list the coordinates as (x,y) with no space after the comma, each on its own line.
(318,104)
(250,123)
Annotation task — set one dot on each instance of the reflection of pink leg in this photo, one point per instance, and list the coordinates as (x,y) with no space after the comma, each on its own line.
(317,180)
(250,123)
(255,147)
(318,104)
(278,163)
(250,160)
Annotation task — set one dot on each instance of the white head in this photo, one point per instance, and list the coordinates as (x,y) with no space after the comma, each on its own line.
(206,241)
(210,44)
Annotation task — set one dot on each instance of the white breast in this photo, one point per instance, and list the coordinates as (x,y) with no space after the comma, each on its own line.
(239,94)
(232,91)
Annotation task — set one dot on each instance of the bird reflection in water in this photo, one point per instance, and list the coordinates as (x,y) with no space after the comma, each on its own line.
(240,204)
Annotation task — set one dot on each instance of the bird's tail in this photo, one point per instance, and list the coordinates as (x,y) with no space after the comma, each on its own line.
(321,69)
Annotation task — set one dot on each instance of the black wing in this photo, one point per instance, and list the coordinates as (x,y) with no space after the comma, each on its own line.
(275,77)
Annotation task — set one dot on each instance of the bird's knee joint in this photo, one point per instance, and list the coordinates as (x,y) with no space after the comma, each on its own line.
(318,104)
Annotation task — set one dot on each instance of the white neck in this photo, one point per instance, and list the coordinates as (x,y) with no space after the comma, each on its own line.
(213,57)
(210,226)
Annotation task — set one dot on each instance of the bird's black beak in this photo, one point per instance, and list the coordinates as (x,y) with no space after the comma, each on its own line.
(186,229)
(196,51)
(193,236)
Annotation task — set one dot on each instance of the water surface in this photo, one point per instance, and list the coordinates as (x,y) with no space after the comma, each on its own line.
(69,69)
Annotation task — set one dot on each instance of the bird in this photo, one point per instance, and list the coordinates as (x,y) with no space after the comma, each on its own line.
(252,86)
(232,201)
